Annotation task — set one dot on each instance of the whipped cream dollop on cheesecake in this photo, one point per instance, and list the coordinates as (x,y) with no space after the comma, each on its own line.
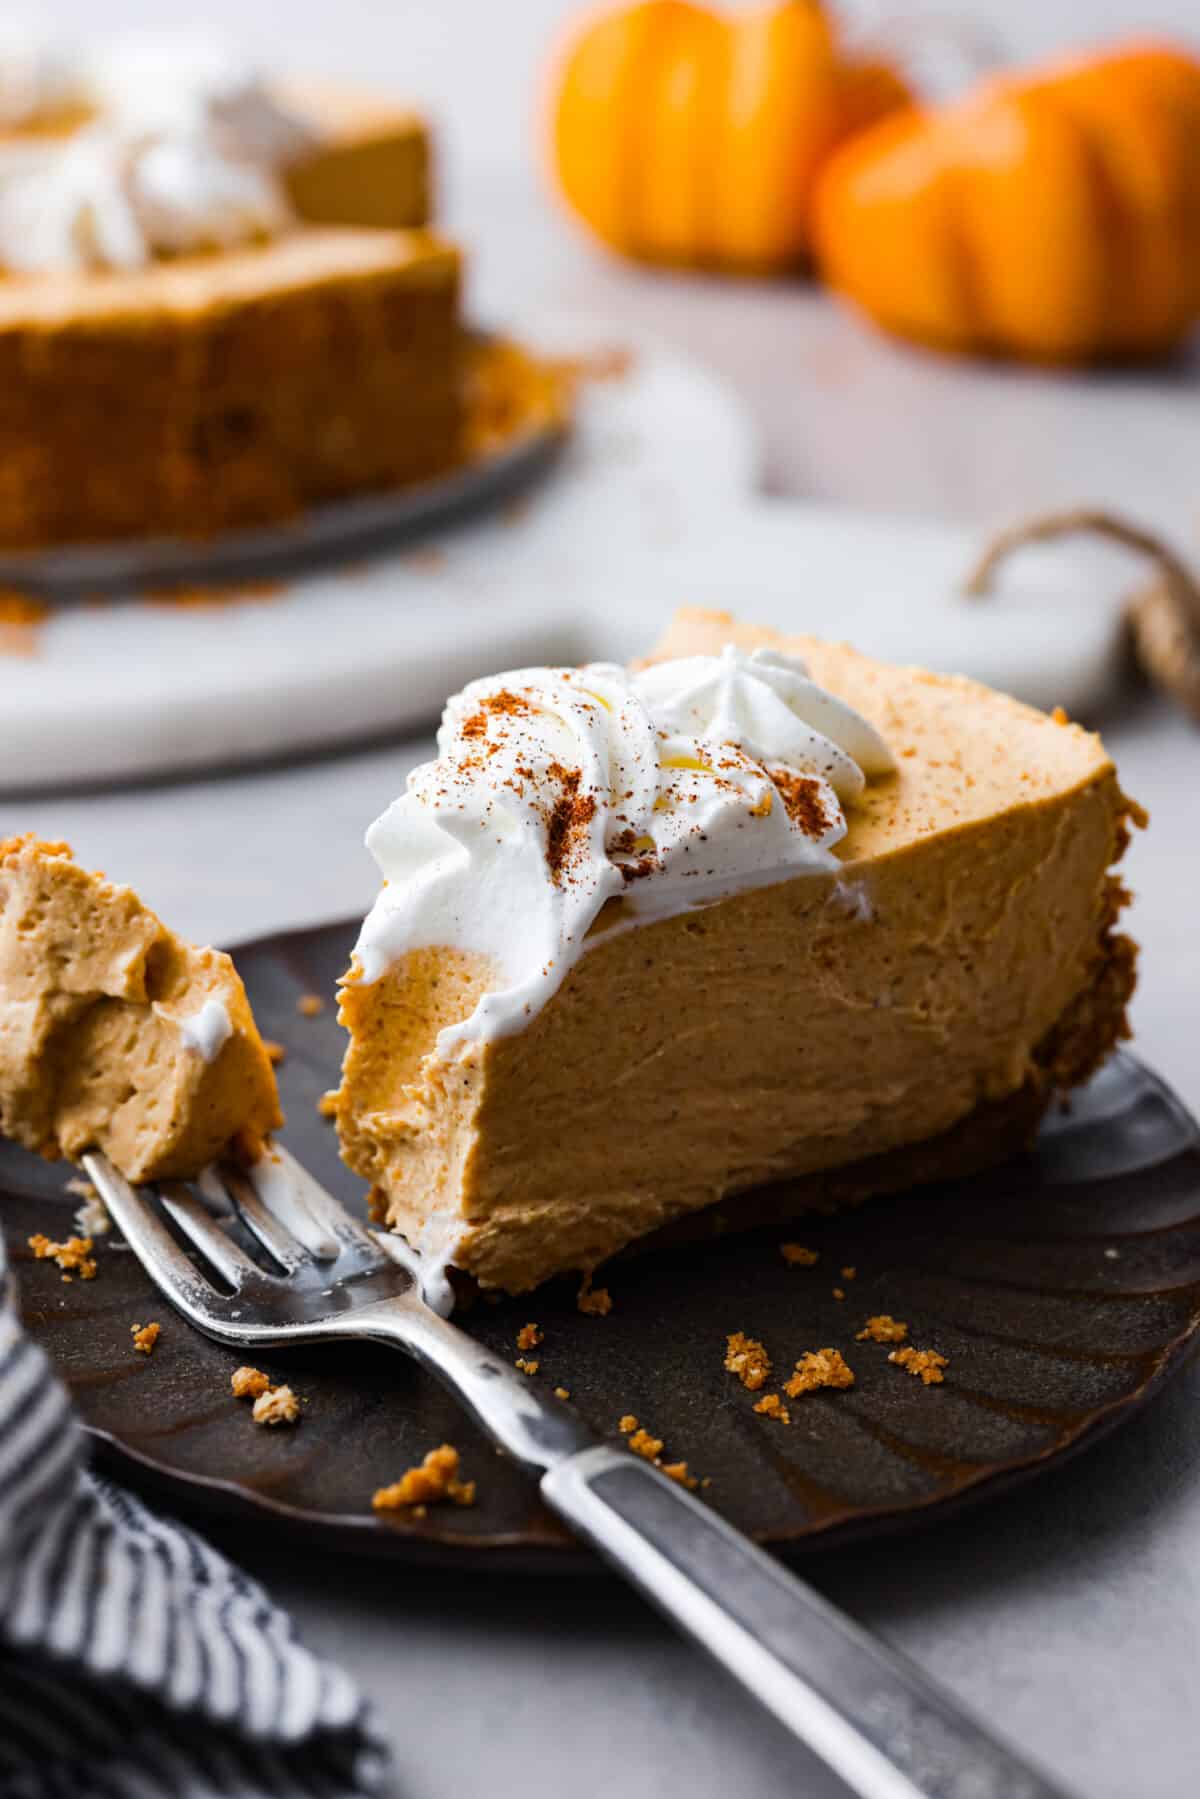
(201,86)
(41,80)
(119,197)
(557,791)
(184,154)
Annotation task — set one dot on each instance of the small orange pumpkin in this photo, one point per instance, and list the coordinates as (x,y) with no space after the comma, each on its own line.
(1053,216)
(684,134)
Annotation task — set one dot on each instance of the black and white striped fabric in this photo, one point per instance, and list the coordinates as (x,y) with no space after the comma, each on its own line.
(135,1662)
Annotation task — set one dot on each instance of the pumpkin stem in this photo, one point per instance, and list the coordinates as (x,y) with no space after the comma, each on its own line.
(1163,616)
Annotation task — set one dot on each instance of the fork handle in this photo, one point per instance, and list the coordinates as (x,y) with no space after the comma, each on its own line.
(871,1715)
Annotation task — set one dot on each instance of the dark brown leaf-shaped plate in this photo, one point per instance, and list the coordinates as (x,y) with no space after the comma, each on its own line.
(1062,1289)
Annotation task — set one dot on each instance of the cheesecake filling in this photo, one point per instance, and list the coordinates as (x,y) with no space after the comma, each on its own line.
(558,793)
(114,1033)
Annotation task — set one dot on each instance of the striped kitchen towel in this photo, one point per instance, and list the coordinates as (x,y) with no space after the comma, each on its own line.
(135,1662)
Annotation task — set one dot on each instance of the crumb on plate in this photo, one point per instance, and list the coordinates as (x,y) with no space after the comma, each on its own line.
(771,1406)
(650,1449)
(746,1357)
(527,1366)
(310,1005)
(819,1368)
(924,1364)
(434,1478)
(145,1336)
(248,1383)
(278,1405)
(74,1256)
(797,1256)
(595,1301)
(529,1336)
(882,1328)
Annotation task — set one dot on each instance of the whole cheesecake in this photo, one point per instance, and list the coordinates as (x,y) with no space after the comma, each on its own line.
(219,305)
(114,1033)
(765,925)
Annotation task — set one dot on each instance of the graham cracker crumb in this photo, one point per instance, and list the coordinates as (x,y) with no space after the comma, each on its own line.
(562,1392)
(527,1367)
(839,1292)
(924,1364)
(75,1255)
(433,1479)
(310,1005)
(771,1406)
(327,1105)
(595,1301)
(883,1328)
(796,1256)
(248,1383)
(650,1449)
(819,1368)
(849,1274)
(747,1358)
(278,1405)
(1059,715)
(529,1336)
(145,1336)
(627,1423)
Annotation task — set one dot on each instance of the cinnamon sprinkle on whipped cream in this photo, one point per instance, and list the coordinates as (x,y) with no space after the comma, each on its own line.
(557,791)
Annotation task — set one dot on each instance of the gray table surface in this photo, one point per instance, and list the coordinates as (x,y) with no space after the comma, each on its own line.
(1068,1614)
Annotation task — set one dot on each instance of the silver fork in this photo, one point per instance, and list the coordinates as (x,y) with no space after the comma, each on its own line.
(872,1716)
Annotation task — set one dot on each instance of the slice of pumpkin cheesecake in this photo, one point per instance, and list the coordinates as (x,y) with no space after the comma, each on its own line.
(763,911)
(114,1033)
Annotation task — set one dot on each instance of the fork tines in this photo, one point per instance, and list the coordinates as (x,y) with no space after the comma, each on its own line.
(302,1229)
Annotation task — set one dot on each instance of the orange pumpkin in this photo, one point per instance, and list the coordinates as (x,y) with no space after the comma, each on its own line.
(684,134)
(1054,216)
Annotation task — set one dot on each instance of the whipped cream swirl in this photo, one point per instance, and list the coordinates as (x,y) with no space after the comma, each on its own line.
(183,157)
(557,790)
(117,198)
(40,80)
(197,87)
